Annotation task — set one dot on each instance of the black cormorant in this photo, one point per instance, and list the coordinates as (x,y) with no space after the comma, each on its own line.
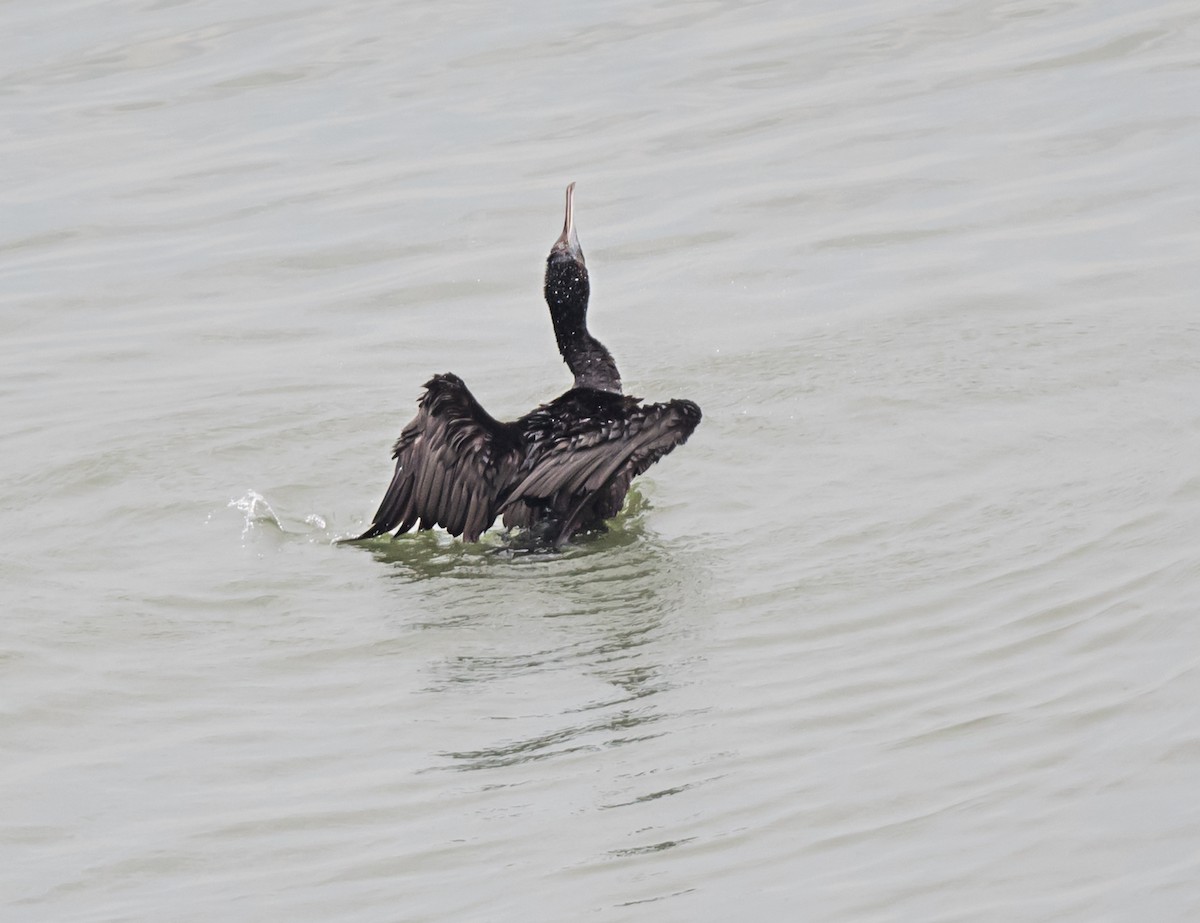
(560,469)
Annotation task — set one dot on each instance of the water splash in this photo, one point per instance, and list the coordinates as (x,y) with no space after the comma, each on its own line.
(255,510)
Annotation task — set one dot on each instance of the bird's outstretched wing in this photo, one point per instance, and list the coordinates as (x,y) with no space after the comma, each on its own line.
(451,462)
(581,473)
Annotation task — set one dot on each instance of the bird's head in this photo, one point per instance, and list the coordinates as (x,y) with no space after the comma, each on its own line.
(567,283)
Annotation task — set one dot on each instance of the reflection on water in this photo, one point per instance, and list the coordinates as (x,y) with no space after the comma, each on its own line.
(420,555)
(608,610)
(613,732)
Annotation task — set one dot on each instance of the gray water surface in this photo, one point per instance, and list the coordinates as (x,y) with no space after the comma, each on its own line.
(907,631)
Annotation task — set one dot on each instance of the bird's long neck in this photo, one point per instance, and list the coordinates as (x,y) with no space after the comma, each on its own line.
(588,359)
(567,291)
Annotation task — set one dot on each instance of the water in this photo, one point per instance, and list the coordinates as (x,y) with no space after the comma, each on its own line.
(906,632)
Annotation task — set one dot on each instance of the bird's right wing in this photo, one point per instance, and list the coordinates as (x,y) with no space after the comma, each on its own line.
(603,453)
(451,461)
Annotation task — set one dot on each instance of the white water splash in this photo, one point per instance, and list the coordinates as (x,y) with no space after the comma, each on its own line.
(255,510)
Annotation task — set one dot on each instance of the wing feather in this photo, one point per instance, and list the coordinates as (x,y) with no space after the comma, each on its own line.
(569,472)
(452,461)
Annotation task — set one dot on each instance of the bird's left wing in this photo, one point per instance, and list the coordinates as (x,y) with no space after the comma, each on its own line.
(451,462)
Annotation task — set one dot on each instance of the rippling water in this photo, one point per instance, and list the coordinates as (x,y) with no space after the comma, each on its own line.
(906,631)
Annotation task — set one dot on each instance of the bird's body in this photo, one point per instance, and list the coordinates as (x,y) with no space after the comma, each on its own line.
(563,468)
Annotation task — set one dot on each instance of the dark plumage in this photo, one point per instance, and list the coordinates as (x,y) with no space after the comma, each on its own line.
(560,469)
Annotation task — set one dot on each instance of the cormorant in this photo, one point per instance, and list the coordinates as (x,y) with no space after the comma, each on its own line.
(560,469)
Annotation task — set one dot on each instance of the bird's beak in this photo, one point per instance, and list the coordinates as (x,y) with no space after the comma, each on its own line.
(569,240)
